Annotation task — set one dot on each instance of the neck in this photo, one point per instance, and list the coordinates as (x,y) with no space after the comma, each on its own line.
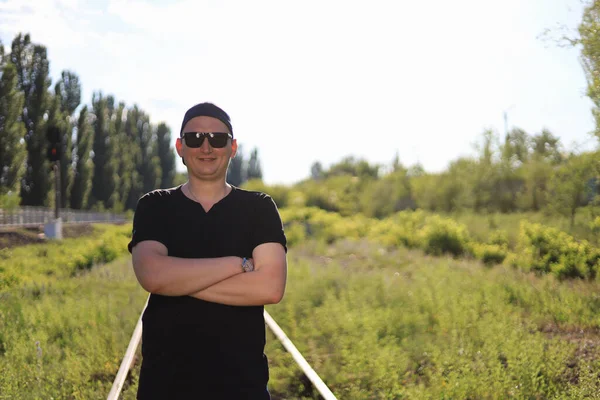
(207,191)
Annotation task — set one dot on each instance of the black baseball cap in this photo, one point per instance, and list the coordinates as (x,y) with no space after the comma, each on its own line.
(207,110)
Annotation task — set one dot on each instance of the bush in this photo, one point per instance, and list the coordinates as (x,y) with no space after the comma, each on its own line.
(9,202)
(548,250)
(595,225)
(499,237)
(401,229)
(489,254)
(295,233)
(314,223)
(444,236)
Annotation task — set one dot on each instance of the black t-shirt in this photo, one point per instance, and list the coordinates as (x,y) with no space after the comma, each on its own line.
(193,348)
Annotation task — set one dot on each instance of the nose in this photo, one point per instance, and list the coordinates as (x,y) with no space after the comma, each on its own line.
(206,147)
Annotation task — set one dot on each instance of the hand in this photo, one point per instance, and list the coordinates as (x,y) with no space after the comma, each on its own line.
(248,266)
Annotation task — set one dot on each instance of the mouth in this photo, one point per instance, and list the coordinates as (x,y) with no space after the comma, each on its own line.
(205,159)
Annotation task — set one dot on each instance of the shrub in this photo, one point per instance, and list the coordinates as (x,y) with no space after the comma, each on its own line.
(548,250)
(490,254)
(315,223)
(295,233)
(387,233)
(499,237)
(595,225)
(444,236)
(401,229)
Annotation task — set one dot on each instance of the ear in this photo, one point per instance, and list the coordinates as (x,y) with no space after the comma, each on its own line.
(178,147)
(233,147)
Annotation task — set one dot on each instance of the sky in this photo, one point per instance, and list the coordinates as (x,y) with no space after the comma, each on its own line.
(320,80)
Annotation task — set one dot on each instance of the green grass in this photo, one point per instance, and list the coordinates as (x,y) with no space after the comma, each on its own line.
(40,264)
(66,339)
(63,328)
(389,325)
(375,322)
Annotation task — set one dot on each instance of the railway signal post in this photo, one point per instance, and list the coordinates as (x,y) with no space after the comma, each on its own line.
(53,229)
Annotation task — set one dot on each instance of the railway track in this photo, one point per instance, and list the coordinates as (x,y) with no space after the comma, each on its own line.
(128,359)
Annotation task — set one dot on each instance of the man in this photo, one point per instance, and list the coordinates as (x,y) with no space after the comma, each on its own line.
(211,255)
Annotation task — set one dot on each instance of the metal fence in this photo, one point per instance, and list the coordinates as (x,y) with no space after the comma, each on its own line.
(28,216)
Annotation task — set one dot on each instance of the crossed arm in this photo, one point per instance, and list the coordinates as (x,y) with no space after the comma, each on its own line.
(219,280)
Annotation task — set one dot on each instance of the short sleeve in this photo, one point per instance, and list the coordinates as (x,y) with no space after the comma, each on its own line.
(148,223)
(268,227)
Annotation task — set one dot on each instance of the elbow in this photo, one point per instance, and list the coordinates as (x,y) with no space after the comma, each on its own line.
(274,288)
(152,284)
(144,276)
(275,296)
(147,284)
(155,286)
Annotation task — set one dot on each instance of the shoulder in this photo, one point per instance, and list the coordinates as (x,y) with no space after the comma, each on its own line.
(159,195)
(253,197)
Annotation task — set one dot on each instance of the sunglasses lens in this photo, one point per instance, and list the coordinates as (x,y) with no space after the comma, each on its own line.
(192,140)
(218,139)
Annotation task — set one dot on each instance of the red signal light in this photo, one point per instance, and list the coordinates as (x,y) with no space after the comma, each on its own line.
(54,153)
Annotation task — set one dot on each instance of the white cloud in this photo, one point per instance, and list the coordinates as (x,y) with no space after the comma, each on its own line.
(48,22)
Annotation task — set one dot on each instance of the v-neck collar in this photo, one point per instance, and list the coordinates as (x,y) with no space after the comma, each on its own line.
(224,199)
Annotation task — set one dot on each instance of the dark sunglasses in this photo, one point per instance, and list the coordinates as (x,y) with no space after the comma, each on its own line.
(215,139)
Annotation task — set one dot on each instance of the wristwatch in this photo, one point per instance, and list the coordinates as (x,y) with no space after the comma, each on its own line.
(247,265)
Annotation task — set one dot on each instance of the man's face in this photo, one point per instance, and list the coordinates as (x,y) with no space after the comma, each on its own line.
(206,162)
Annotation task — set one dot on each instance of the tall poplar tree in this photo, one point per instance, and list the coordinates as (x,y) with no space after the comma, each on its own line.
(68,95)
(135,157)
(123,153)
(12,148)
(166,156)
(254,170)
(70,92)
(105,177)
(151,163)
(32,67)
(148,163)
(59,119)
(84,166)
(112,179)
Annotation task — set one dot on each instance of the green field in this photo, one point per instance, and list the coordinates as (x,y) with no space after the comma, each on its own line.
(398,324)
(65,318)
(375,320)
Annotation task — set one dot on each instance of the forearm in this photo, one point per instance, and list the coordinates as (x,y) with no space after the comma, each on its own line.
(173,276)
(249,289)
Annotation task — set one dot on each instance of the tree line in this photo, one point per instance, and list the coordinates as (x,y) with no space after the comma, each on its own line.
(518,173)
(110,154)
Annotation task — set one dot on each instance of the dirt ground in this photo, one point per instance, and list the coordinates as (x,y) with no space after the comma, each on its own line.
(23,236)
